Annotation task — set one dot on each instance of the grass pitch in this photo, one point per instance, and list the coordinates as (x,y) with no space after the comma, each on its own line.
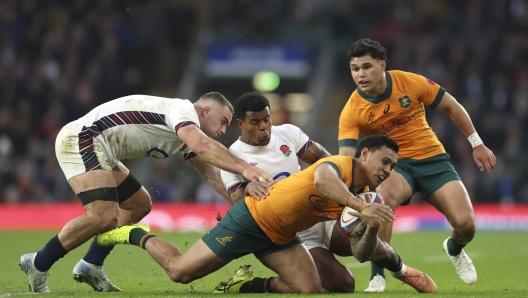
(501,260)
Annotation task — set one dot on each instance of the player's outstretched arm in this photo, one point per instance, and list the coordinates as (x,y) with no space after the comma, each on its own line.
(481,154)
(216,154)
(327,181)
(211,174)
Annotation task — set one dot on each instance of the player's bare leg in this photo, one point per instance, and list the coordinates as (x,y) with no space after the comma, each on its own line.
(195,263)
(335,278)
(394,191)
(453,201)
(134,207)
(100,203)
(295,269)
(101,215)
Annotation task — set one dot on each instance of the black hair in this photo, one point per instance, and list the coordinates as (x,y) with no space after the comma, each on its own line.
(250,102)
(367,46)
(375,142)
(218,98)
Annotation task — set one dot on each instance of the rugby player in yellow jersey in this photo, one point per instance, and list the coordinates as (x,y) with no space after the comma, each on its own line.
(392,103)
(268,228)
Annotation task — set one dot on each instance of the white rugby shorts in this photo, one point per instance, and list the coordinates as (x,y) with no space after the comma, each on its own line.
(319,235)
(78,152)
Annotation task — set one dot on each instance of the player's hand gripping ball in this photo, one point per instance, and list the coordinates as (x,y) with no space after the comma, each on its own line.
(352,225)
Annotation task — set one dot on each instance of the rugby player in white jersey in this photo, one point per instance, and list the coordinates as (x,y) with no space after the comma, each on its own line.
(89,151)
(277,149)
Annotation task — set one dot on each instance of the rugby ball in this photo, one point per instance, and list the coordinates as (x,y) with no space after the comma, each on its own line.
(351,225)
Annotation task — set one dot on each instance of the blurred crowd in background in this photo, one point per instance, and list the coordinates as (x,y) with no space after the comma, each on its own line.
(59,59)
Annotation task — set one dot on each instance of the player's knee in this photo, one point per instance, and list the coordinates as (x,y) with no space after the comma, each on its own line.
(144,205)
(466,228)
(313,287)
(344,284)
(107,220)
(180,276)
(140,204)
(390,197)
(309,290)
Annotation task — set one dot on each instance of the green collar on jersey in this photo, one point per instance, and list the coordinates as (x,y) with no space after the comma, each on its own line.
(385,95)
(351,188)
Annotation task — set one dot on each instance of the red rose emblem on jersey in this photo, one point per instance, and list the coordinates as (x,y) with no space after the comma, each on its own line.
(285,150)
(430,82)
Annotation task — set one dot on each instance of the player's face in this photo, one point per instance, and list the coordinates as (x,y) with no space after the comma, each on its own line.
(256,128)
(379,164)
(367,73)
(216,120)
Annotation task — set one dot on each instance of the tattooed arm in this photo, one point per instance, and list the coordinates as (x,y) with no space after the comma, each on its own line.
(363,246)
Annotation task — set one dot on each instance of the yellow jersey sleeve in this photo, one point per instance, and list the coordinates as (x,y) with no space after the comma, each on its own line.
(425,90)
(348,127)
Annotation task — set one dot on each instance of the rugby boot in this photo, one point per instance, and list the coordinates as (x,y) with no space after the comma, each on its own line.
(420,281)
(463,265)
(120,234)
(95,276)
(37,280)
(377,284)
(233,285)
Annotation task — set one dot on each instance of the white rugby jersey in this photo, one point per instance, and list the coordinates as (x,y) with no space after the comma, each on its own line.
(279,158)
(135,126)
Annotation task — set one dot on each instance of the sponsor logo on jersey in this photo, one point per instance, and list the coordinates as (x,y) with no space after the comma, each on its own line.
(396,124)
(285,150)
(371,118)
(224,240)
(319,205)
(404,101)
(387,108)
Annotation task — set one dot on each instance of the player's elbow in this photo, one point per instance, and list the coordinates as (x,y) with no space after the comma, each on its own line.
(319,182)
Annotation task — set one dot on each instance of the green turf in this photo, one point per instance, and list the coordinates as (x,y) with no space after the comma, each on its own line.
(501,260)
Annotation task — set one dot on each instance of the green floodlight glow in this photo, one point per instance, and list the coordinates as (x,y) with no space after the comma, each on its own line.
(265,81)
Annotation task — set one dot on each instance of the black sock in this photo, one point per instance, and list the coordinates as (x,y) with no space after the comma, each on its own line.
(96,254)
(257,285)
(374,270)
(49,254)
(454,248)
(140,237)
(397,267)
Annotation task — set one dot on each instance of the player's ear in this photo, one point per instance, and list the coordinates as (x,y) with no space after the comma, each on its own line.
(364,153)
(206,110)
(240,123)
(383,65)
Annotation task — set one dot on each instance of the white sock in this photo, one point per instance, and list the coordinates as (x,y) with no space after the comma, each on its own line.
(401,272)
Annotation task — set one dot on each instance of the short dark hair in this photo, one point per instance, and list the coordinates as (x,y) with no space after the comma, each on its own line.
(367,46)
(375,142)
(218,98)
(250,102)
